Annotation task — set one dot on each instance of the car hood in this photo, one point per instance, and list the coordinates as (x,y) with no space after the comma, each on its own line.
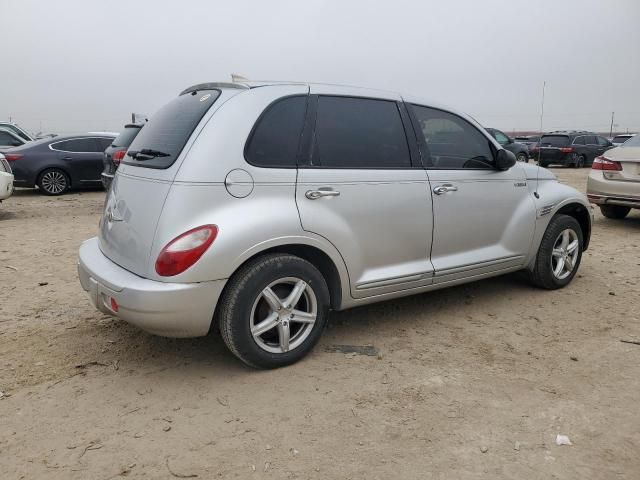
(623,154)
(534,172)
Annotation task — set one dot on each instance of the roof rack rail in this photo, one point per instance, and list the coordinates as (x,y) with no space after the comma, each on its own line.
(213,85)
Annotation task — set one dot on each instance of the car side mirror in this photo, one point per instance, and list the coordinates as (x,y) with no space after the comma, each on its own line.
(505,159)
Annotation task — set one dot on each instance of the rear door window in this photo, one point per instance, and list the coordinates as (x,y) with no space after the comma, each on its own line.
(451,142)
(359,133)
(77,145)
(167,132)
(578,141)
(554,141)
(276,136)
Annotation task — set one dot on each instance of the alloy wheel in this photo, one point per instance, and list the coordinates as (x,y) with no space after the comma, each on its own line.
(283,315)
(54,182)
(565,254)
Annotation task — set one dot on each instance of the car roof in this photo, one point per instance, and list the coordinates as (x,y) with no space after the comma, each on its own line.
(325,88)
(83,135)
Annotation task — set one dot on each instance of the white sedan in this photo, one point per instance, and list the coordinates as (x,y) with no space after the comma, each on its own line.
(6,179)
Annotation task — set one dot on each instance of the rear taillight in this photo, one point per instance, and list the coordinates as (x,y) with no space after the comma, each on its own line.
(566,149)
(603,163)
(185,250)
(118,156)
(12,157)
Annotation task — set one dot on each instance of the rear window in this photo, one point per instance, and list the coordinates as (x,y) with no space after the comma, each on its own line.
(554,141)
(166,133)
(632,142)
(126,136)
(620,138)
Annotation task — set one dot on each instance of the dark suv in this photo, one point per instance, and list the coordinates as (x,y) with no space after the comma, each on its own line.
(570,148)
(115,152)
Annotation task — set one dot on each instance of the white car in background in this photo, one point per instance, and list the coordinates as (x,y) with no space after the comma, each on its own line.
(6,179)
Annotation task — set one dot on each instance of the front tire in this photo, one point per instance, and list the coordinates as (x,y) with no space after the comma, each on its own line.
(559,254)
(616,212)
(53,181)
(273,310)
(523,157)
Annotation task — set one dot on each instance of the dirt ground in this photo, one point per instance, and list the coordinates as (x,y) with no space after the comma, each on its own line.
(471,382)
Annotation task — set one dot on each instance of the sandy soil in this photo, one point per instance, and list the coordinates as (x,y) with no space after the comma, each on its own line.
(471,382)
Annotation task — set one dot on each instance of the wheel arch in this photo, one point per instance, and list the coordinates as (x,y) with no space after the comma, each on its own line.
(582,216)
(333,270)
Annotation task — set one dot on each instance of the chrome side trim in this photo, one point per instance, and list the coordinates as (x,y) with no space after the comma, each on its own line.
(475,266)
(393,281)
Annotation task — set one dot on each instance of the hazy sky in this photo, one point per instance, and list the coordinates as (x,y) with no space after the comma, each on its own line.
(86,65)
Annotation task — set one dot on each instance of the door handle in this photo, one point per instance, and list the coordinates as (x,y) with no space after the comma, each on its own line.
(67,158)
(447,187)
(321,192)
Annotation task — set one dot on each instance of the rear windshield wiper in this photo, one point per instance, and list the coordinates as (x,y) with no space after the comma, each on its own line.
(146,154)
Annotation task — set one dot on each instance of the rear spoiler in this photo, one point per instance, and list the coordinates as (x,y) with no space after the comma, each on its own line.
(212,86)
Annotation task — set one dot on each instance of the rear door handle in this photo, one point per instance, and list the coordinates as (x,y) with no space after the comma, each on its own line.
(67,158)
(447,187)
(321,192)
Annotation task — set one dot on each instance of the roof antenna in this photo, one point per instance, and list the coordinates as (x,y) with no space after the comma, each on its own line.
(235,78)
(536,194)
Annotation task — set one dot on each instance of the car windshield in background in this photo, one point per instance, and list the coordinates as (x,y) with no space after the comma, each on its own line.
(632,142)
(554,141)
(162,139)
(126,136)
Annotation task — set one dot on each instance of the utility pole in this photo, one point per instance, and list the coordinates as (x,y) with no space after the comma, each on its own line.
(611,128)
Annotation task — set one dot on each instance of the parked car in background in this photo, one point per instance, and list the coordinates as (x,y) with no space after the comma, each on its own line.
(571,148)
(614,180)
(520,150)
(293,199)
(9,139)
(6,179)
(12,127)
(528,140)
(620,139)
(57,164)
(114,153)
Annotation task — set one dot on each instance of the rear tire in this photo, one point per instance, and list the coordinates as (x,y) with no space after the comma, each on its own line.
(522,157)
(614,211)
(249,301)
(560,248)
(53,181)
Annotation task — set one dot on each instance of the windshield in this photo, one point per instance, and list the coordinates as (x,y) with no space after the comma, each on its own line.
(125,137)
(554,141)
(632,142)
(162,139)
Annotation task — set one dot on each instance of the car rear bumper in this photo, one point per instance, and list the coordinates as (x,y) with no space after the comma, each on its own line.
(6,185)
(603,191)
(166,309)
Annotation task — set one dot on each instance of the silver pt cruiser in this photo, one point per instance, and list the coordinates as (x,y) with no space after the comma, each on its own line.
(258,207)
